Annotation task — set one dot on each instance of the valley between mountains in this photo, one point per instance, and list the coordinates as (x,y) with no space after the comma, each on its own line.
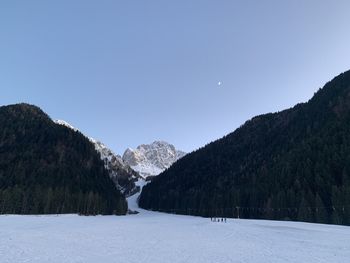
(287,166)
(144,162)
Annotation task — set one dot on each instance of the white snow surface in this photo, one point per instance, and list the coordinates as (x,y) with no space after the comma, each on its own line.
(160,238)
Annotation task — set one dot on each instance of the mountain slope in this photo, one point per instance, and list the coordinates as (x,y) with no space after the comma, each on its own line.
(293,165)
(122,175)
(47,168)
(152,159)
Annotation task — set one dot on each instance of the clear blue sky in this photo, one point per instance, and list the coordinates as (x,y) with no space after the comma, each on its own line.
(130,72)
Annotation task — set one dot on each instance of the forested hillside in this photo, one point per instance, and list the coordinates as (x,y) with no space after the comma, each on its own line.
(292,165)
(47,168)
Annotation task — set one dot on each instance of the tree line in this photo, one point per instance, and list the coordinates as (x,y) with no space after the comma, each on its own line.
(289,165)
(47,168)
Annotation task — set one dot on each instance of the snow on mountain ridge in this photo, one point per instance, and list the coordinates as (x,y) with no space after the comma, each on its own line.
(105,152)
(152,159)
(120,173)
(64,123)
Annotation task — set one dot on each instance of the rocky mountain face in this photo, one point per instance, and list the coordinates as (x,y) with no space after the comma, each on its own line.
(152,159)
(122,175)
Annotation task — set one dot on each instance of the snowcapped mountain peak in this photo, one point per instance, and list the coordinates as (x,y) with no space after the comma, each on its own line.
(152,159)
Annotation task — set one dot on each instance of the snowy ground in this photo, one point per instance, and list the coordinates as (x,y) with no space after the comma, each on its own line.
(161,238)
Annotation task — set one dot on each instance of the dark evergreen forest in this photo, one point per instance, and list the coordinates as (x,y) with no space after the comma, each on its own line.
(47,168)
(290,165)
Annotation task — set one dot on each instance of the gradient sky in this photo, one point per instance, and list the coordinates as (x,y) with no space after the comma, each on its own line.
(131,72)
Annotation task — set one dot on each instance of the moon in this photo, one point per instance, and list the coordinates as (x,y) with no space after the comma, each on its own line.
(219,83)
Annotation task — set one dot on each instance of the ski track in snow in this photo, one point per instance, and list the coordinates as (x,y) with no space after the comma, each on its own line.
(160,238)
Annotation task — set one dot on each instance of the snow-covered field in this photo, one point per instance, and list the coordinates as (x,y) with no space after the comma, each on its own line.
(160,238)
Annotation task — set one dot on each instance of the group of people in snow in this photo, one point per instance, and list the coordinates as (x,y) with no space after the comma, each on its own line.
(214,219)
